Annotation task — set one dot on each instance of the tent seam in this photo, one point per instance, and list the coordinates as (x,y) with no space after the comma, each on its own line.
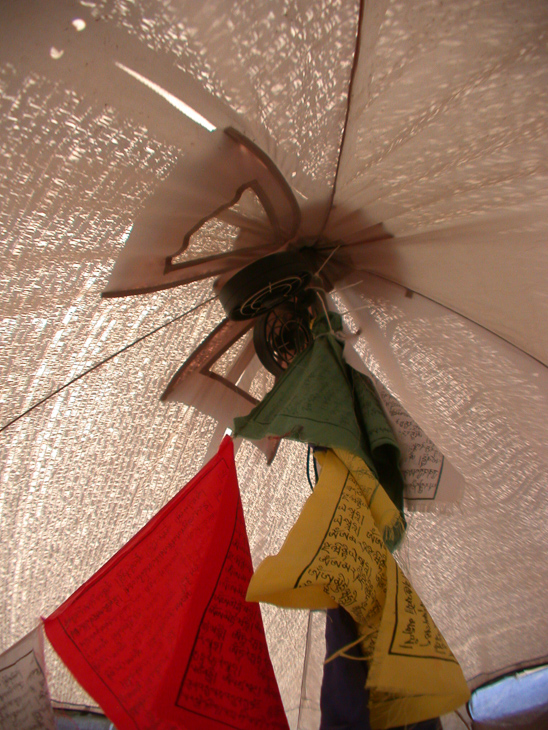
(103,362)
(353,71)
(456,312)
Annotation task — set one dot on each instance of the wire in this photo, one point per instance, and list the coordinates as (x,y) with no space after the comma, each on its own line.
(103,362)
(357,309)
(350,286)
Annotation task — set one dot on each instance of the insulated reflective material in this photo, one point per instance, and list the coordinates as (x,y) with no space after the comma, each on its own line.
(441,185)
(446,146)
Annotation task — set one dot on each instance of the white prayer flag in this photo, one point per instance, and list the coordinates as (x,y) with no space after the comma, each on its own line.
(24,698)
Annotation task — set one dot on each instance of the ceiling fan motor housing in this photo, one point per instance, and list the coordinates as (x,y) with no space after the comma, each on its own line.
(264,285)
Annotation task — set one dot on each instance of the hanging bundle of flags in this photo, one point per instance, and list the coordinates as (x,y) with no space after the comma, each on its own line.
(168,633)
(338,554)
(335,556)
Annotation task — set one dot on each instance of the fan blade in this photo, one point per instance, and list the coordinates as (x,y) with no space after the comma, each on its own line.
(197,385)
(200,187)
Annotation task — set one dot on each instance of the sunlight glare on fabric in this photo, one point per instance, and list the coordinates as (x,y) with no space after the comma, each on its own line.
(170,98)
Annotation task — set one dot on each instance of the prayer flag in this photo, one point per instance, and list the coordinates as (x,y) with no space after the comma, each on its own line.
(344,698)
(161,636)
(335,555)
(24,697)
(321,400)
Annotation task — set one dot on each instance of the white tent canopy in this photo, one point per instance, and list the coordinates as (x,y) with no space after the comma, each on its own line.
(418,133)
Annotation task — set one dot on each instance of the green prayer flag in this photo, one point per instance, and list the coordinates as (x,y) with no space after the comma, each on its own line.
(321,400)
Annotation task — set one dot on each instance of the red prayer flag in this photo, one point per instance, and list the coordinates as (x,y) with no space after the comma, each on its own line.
(161,636)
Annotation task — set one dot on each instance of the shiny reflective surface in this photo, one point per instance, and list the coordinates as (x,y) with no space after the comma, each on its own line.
(445,145)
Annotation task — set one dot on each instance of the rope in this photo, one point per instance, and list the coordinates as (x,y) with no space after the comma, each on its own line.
(344,649)
(331,330)
(327,259)
(349,286)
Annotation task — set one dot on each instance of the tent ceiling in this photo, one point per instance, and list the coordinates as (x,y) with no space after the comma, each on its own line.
(445,146)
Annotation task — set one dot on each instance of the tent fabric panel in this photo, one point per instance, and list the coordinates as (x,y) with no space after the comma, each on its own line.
(78,173)
(446,146)
(262,67)
(493,273)
(448,116)
(80,153)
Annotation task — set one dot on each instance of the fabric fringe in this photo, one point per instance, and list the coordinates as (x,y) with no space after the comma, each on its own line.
(393,535)
(433,507)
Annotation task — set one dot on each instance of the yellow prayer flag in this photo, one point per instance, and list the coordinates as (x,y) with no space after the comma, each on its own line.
(334,555)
